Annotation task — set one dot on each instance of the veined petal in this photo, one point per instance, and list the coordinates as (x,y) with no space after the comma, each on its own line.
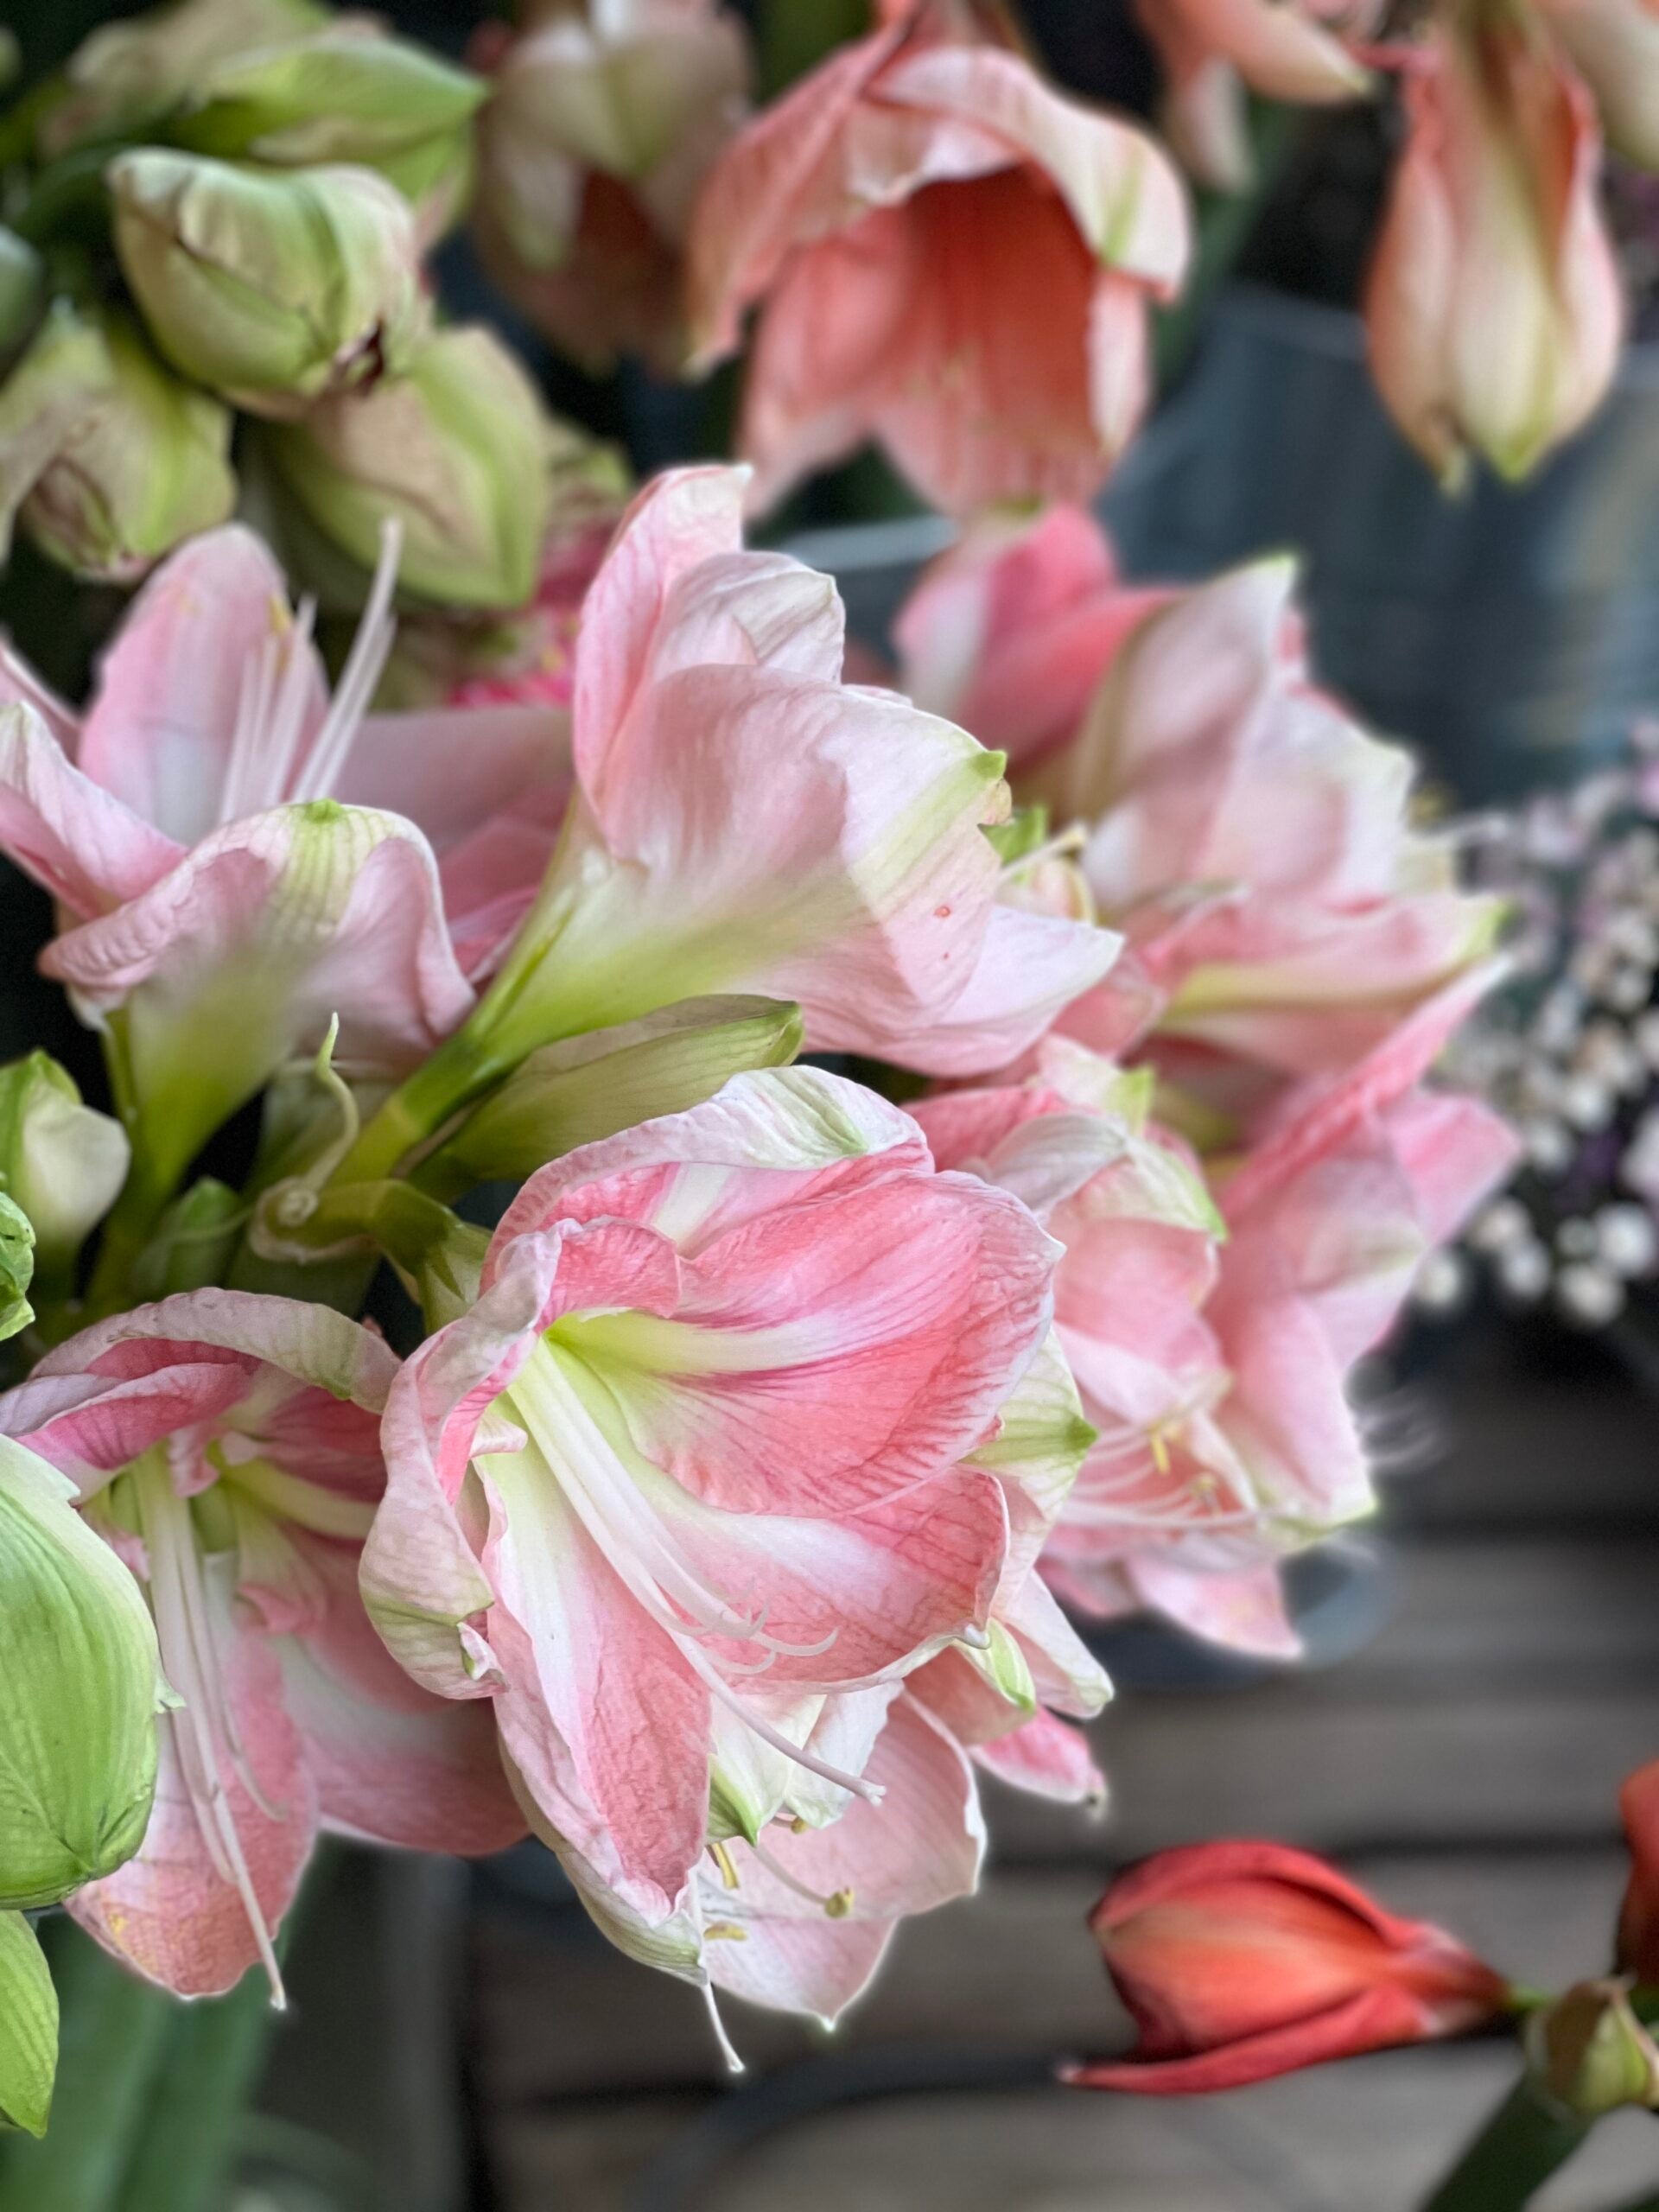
(86,848)
(1046,1758)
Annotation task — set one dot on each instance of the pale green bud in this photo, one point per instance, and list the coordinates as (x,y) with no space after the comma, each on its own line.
(589,1087)
(1589,2053)
(271,286)
(52,392)
(83,1685)
(457,449)
(346,94)
(29,2028)
(147,466)
(61,1162)
(131,74)
(17,1268)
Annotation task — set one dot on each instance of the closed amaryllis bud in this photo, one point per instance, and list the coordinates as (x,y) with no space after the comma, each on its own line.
(146,465)
(130,74)
(61,1162)
(1589,2053)
(346,94)
(273,287)
(1638,1919)
(1614,45)
(17,1268)
(29,2028)
(1493,305)
(458,449)
(53,391)
(1242,1960)
(79,1658)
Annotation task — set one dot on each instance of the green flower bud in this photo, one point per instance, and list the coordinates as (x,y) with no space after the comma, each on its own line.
(17,1268)
(345,94)
(53,391)
(61,1162)
(457,449)
(83,1685)
(29,2028)
(130,75)
(1589,2053)
(273,287)
(586,1087)
(148,465)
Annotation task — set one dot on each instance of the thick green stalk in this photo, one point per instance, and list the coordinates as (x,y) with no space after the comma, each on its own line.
(1528,2138)
(193,2123)
(112,2050)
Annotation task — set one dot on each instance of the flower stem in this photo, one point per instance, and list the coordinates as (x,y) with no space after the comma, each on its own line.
(1527,2139)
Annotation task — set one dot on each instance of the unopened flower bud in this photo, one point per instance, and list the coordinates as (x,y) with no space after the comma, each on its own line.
(17,1268)
(61,1162)
(79,1658)
(346,93)
(1614,45)
(147,466)
(52,392)
(457,449)
(29,2028)
(1591,2054)
(131,74)
(273,287)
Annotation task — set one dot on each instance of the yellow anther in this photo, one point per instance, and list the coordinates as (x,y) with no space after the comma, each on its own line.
(725,1931)
(798,1826)
(722,1859)
(838,1905)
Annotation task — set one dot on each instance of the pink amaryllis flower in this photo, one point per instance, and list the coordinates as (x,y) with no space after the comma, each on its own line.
(747,822)
(691,1466)
(1494,306)
(949,255)
(1252,841)
(1240,1962)
(239,859)
(227,1447)
(1212,1334)
(602,121)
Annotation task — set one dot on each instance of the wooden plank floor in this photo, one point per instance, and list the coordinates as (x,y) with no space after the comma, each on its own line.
(1463,1762)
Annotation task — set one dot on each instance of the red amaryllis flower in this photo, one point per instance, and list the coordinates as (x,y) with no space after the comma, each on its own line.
(1242,1960)
(1638,1919)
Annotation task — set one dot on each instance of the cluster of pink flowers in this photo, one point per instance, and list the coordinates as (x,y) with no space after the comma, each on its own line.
(716,1531)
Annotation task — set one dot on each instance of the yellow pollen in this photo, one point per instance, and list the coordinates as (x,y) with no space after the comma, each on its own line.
(722,1859)
(1158,1439)
(798,1826)
(838,1905)
(725,1931)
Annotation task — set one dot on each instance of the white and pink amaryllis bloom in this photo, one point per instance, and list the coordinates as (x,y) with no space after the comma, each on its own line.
(692,1466)
(949,255)
(238,858)
(1212,1335)
(1253,843)
(226,1445)
(748,821)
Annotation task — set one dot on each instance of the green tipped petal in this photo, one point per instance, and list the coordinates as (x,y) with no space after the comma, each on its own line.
(17,1268)
(82,1675)
(62,1163)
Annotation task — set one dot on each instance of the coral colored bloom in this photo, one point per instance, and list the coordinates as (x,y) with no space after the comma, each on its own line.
(1211,1337)
(239,859)
(1254,843)
(691,1462)
(1240,1962)
(1638,1919)
(1494,306)
(601,126)
(1295,50)
(227,1446)
(949,257)
(749,823)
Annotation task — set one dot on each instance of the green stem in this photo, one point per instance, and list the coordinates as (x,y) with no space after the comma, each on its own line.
(191,2130)
(144,1198)
(1527,2139)
(111,2054)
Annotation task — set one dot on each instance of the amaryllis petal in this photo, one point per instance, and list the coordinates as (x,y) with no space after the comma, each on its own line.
(87,848)
(1046,1758)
